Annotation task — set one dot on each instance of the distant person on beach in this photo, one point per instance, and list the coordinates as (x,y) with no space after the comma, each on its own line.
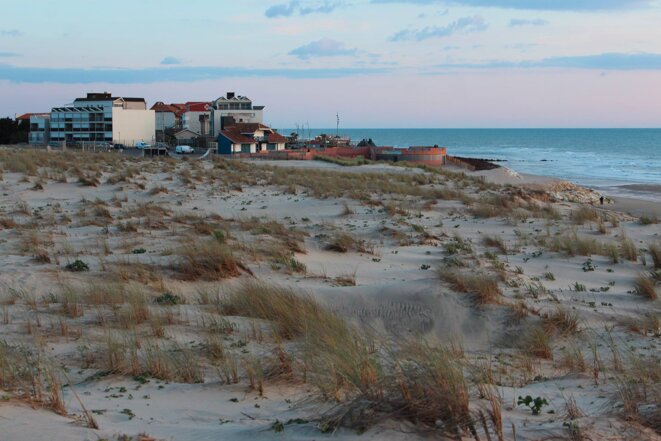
(601,200)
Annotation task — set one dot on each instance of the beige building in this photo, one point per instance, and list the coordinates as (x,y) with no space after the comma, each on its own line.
(100,117)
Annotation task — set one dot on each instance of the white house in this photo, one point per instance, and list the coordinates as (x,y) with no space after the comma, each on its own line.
(249,138)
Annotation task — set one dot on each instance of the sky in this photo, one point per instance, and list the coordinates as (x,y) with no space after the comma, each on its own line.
(378,63)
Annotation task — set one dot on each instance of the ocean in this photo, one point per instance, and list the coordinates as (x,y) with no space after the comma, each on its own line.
(615,161)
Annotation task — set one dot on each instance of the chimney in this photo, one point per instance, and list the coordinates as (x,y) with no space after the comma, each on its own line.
(230,95)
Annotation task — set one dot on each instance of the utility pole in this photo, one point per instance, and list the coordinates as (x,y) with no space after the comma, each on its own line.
(337,127)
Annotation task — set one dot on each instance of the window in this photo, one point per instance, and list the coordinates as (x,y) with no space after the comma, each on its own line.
(272,146)
(245,148)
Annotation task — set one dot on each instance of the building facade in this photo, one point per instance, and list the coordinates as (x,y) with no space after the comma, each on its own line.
(100,117)
(39,128)
(168,116)
(235,108)
(197,117)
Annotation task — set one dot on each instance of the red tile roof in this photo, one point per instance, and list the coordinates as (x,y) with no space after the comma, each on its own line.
(276,138)
(197,106)
(177,109)
(234,135)
(237,133)
(26,116)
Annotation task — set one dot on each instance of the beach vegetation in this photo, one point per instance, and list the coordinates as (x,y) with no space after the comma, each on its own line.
(645,286)
(483,287)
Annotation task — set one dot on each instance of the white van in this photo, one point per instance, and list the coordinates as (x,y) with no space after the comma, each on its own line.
(183,149)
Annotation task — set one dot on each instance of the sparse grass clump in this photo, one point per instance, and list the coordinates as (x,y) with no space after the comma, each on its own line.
(345,162)
(645,286)
(575,245)
(537,341)
(655,251)
(341,243)
(561,321)
(207,260)
(628,248)
(496,242)
(649,219)
(292,313)
(483,287)
(584,214)
(30,375)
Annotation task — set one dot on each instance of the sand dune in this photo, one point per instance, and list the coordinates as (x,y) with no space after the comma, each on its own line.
(399,253)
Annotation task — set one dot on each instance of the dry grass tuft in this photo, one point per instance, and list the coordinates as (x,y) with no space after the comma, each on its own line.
(537,342)
(655,251)
(207,260)
(561,321)
(341,243)
(292,313)
(584,214)
(645,286)
(483,287)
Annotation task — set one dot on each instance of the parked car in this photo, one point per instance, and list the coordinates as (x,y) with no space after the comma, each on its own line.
(119,147)
(142,145)
(183,149)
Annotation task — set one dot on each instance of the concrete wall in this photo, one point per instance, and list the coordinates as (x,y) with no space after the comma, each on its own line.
(132,126)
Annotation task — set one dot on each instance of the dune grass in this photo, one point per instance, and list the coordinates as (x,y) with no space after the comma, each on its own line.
(645,286)
(206,260)
(483,287)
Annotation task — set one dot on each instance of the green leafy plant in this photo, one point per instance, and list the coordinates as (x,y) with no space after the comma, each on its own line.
(534,404)
(220,236)
(77,266)
(588,266)
(277,426)
(139,251)
(168,299)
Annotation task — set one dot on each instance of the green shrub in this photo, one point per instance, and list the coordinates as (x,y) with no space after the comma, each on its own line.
(168,299)
(534,404)
(77,266)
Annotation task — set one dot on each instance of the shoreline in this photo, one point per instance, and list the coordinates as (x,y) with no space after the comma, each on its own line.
(629,204)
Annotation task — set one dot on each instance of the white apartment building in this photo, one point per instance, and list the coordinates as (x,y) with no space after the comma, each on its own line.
(234,107)
(100,117)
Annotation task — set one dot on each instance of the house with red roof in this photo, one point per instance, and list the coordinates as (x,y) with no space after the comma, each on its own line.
(249,138)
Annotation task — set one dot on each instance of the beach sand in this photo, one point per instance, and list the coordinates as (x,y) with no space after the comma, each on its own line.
(531,243)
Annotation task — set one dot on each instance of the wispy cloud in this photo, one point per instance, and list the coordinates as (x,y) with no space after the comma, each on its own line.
(166,74)
(550,5)
(294,7)
(170,61)
(9,54)
(10,33)
(606,61)
(515,22)
(326,47)
(475,23)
